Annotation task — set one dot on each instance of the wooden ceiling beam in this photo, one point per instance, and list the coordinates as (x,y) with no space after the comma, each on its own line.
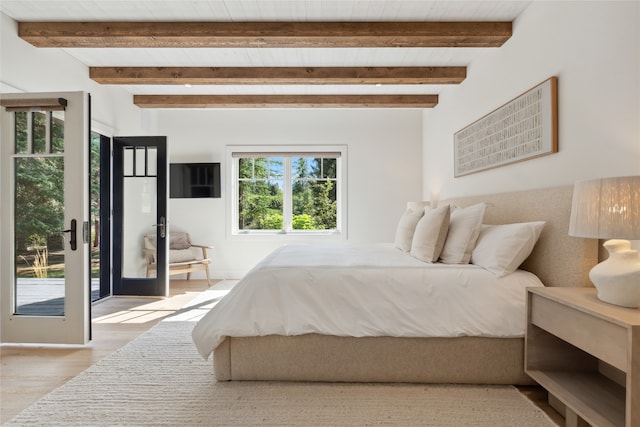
(34,104)
(277,75)
(188,34)
(285,101)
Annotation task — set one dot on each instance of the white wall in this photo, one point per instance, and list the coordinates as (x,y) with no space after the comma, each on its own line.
(594,49)
(384,169)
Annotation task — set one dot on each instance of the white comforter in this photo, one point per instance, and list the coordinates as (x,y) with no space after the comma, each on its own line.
(349,290)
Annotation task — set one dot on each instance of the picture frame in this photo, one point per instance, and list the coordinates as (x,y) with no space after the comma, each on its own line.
(522,129)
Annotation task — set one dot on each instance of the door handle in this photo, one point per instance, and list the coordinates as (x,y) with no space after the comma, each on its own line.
(162,227)
(72,238)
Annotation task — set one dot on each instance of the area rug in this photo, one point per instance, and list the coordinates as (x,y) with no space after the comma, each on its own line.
(160,380)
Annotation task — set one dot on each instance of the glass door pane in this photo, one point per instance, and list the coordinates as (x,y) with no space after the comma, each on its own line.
(100,215)
(138,227)
(39,216)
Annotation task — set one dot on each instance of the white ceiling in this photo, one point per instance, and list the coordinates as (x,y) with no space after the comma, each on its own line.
(271,10)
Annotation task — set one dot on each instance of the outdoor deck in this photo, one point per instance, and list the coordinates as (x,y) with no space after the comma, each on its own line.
(45,297)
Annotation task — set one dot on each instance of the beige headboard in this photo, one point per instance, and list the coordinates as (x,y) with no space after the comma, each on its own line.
(558,259)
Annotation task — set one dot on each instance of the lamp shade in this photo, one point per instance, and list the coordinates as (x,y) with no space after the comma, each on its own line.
(606,208)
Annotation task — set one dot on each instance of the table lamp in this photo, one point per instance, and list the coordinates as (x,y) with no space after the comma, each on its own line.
(609,208)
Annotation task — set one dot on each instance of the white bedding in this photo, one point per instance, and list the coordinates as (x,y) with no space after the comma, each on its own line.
(350,290)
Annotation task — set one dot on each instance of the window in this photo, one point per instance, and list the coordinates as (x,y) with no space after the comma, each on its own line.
(287,190)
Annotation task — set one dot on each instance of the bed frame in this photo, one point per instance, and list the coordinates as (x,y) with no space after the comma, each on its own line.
(558,260)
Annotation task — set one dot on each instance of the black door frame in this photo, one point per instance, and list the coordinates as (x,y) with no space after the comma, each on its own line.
(150,286)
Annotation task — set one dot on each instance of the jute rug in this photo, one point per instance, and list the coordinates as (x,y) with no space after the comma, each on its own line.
(159,380)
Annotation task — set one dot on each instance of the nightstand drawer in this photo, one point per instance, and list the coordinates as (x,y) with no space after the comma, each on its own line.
(603,339)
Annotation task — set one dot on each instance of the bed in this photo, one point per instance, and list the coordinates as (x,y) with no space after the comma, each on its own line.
(367,349)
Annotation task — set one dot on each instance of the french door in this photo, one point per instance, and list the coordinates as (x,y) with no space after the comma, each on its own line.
(140,226)
(45,277)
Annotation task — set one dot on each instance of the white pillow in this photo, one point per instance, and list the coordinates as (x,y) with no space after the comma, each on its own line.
(501,249)
(406,228)
(430,234)
(464,227)
(418,205)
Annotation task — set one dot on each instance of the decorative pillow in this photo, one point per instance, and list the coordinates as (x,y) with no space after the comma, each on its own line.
(419,205)
(501,249)
(179,240)
(407,226)
(181,255)
(430,234)
(464,227)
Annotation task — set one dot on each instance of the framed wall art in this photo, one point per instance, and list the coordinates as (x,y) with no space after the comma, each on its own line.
(522,129)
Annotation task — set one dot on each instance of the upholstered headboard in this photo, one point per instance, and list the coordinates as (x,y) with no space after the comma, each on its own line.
(557,259)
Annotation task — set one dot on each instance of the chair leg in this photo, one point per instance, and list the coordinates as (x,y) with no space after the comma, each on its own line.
(206,270)
(188,275)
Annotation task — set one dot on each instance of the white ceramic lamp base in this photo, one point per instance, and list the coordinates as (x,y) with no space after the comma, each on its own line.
(618,277)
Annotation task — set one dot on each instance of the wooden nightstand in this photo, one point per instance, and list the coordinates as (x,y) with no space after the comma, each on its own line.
(585,353)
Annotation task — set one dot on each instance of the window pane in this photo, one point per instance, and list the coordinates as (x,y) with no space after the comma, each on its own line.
(299,167)
(140,162)
(94,185)
(39,129)
(315,167)
(127,160)
(57,132)
(314,206)
(21,132)
(245,168)
(329,168)
(39,245)
(261,168)
(260,205)
(276,165)
(152,161)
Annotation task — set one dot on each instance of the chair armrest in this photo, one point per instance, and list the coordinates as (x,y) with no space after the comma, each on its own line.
(204,249)
(203,246)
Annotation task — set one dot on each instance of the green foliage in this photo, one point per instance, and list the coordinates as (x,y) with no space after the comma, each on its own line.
(303,222)
(272,222)
(258,199)
(39,199)
(325,207)
(37,241)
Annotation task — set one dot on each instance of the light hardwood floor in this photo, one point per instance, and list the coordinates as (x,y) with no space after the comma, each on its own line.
(30,372)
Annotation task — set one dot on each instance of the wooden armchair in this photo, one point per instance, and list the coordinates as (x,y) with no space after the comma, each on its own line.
(182,258)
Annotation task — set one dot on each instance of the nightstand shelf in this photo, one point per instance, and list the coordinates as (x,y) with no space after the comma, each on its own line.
(586,354)
(605,408)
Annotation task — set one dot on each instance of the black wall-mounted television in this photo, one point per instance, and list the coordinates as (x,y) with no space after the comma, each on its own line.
(194,180)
